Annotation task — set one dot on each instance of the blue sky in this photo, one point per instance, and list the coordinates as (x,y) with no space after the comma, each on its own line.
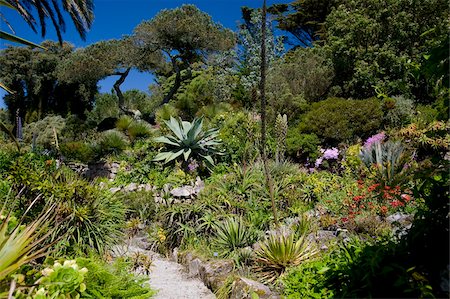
(115,18)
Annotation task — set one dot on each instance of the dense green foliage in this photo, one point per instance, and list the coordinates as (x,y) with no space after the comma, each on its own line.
(339,120)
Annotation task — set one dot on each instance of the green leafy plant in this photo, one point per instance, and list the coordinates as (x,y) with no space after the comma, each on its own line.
(113,280)
(78,151)
(336,120)
(65,280)
(189,141)
(232,234)
(308,280)
(281,250)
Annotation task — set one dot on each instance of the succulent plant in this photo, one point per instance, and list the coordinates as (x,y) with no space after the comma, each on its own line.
(189,141)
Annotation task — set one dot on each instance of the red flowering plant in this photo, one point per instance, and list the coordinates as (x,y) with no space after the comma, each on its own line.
(377,200)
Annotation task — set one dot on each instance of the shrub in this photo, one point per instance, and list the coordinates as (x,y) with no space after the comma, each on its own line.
(302,146)
(113,280)
(43,130)
(111,142)
(93,218)
(399,111)
(138,129)
(123,123)
(78,151)
(338,120)
(238,133)
(165,112)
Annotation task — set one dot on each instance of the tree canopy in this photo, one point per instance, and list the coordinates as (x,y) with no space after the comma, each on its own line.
(185,35)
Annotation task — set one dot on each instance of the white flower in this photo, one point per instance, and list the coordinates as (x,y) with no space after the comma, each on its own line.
(47,271)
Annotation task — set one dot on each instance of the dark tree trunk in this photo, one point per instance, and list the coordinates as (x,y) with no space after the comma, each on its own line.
(123,76)
(177,83)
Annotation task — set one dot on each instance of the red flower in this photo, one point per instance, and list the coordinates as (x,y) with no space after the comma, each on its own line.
(373,187)
(344,219)
(358,198)
(406,197)
(383,209)
(387,187)
(396,203)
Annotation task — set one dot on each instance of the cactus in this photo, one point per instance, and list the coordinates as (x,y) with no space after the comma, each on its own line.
(281,127)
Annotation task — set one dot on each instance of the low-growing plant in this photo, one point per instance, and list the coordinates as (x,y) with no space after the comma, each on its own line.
(77,151)
(232,234)
(140,204)
(114,280)
(308,280)
(111,142)
(65,280)
(281,250)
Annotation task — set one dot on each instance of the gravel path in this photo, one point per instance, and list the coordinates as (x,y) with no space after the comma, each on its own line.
(170,279)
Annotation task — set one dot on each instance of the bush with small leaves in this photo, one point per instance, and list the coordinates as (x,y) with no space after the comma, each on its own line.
(337,120)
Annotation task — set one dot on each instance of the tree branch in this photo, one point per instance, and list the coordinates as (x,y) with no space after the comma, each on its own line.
(123,76)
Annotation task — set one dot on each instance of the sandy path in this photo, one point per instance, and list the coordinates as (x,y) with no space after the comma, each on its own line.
(169,278)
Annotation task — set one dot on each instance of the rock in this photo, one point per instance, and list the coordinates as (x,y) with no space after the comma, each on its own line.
(214,273)
(400,218)
(148,187)
(185,191)
(101,185)
(174,255)
(199,185)
(193,267)
(244,288)
(114,190)
(130,188)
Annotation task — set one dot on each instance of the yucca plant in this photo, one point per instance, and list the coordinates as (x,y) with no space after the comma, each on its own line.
(232,234)
(189,141)
(22,244)
(281,250)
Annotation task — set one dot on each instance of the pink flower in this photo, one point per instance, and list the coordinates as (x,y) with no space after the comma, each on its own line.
(374,139)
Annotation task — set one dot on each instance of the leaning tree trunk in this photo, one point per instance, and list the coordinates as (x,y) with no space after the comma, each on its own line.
(262,88)
(123,76)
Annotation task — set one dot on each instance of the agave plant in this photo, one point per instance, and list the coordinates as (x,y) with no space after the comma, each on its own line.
(281,250)
(189,141)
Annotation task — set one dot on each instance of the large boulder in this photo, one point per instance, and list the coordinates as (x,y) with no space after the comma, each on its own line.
(214,273)
(244,288)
